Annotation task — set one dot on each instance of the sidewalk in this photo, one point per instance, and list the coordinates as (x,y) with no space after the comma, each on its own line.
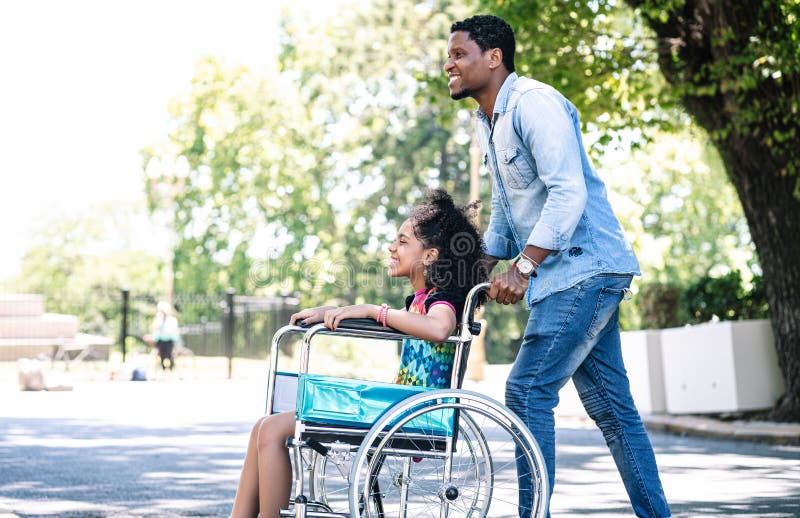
(757,431)
(570,411)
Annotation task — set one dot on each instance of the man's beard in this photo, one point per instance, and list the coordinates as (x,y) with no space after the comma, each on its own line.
(461,94)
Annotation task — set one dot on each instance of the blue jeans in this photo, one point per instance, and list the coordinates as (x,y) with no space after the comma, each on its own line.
(575,333)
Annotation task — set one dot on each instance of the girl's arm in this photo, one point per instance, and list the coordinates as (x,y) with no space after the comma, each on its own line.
(436,326)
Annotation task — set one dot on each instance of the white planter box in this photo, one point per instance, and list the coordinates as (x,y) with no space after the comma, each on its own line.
(720,367)
(641,352)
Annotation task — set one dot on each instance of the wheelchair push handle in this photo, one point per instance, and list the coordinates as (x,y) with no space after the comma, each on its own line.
(470,327)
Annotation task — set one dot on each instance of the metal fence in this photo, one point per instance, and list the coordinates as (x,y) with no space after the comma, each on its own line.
(223,325)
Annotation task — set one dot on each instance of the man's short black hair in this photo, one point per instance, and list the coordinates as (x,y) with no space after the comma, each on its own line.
(490,32)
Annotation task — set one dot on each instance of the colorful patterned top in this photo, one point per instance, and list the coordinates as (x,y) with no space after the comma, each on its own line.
(425,363)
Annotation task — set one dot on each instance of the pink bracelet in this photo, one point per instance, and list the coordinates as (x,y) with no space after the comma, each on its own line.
(385,315)
(379,317)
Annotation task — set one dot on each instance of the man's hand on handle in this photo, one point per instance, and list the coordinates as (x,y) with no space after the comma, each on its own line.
(508,287)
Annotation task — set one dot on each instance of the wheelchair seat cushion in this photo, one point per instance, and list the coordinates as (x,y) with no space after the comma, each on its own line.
(357,403)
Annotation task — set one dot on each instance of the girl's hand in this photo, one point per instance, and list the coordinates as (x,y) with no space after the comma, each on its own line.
(310,315)
(334,316)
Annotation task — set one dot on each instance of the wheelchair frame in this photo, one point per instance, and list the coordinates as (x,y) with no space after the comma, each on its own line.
(403,437)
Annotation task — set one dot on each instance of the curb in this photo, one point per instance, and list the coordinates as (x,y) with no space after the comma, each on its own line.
(782,434)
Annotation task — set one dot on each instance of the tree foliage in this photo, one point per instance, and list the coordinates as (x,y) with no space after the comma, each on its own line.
(681,213)
(743,57)
(298,178)
(600,56)
(736,68)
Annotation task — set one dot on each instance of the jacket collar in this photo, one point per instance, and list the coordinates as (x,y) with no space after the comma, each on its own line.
(501,102)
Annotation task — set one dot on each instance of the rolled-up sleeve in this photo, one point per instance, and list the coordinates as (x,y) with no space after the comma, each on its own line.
(544,123)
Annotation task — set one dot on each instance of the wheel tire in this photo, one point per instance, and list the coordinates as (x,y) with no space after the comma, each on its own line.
(473,474)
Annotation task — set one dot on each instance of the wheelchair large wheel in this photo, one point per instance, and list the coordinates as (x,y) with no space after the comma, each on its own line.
(411,464)
(329,474)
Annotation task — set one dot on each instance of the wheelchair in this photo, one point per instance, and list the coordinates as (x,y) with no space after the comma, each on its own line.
(369,449)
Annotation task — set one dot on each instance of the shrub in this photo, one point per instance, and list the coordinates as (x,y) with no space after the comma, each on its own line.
(725,298)
(659,305)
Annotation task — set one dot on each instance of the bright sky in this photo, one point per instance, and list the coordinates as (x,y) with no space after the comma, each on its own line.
(85,85)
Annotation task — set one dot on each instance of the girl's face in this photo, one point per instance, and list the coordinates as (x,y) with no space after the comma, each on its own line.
(408,256)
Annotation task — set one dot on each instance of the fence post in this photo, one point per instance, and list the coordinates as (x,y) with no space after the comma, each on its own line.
(248,330)
(229,322)
(204,322)
(123,332)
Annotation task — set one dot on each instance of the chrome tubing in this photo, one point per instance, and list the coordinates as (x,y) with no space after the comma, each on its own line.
(471,303)
(273,361)
(465,334)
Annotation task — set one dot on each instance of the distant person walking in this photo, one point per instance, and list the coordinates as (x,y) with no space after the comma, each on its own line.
(165,333)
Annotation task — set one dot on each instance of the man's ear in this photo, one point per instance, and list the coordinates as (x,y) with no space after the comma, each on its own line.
(495,58)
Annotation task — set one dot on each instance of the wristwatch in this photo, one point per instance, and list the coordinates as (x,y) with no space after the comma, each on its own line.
(525,266)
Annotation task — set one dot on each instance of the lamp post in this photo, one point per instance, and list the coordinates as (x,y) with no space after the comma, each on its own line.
(474,168)
(166,178)
(477,355)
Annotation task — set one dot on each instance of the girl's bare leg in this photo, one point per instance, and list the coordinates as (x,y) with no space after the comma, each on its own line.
(246,502)
(274,467)
(266,479)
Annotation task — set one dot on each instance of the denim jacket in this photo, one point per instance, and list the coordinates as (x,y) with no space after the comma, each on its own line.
(545,192)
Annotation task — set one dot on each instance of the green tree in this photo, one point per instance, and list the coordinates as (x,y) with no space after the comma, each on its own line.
(734,67)
(249,168)
(685,217)
(298,178)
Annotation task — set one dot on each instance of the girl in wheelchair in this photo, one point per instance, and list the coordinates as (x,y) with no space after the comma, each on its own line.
(440,251)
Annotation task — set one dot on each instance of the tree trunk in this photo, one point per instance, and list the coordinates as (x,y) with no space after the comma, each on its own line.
(757,168)
(773,214)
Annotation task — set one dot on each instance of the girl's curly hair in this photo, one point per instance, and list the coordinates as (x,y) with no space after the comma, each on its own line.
(440,224)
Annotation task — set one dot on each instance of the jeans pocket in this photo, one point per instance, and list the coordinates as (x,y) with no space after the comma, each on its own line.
(608,301)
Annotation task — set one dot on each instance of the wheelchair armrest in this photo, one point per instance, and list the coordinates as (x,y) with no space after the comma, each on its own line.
(360,324)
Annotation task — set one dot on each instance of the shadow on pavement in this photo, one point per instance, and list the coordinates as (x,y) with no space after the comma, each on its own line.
(701,476)
(95,469)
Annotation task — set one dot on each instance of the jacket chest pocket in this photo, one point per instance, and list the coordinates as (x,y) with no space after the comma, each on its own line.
(514,168)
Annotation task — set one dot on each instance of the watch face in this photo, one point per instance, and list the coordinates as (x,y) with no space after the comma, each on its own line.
(524,266)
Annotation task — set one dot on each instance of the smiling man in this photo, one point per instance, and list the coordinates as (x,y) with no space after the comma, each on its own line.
(551,216)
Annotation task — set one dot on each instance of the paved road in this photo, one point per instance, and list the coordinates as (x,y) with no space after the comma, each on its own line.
(174,448)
